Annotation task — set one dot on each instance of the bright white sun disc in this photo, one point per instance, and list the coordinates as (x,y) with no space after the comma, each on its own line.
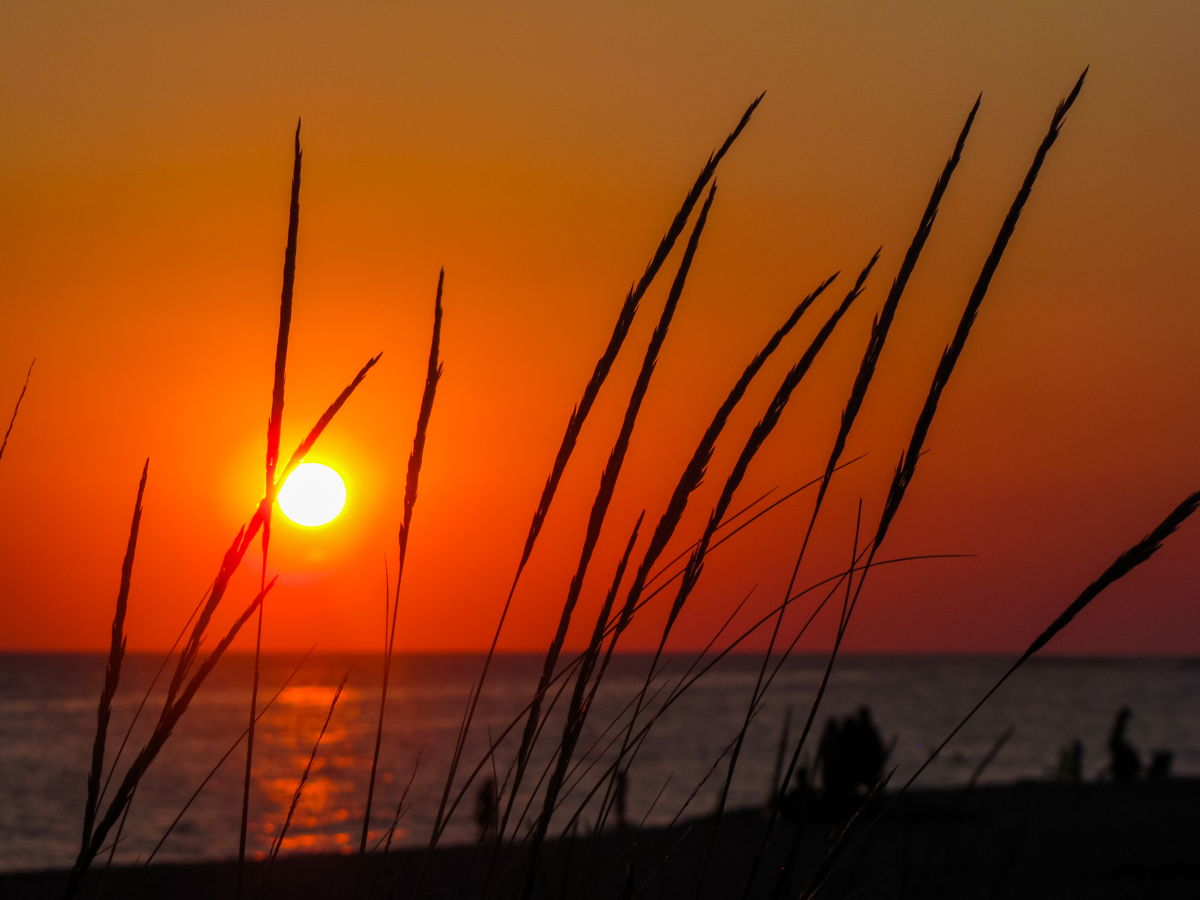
(313,495)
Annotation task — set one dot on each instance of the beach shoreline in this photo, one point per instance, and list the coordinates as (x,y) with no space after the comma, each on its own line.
(1030,839)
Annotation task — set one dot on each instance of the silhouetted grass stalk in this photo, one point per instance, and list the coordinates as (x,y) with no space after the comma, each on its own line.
(246,535)
(880,329)
(908,464)
(433,374)
(753,444)
(163,729)
(184,683)
(574,426)
(112,669)
(571,666)
(1125,563)
(274,426)
(137,713)
(693,473)
(988,757)
(220,762)
(691,477)
(577,708)
(608,483)
(696,671)
(16,409)
(277,844)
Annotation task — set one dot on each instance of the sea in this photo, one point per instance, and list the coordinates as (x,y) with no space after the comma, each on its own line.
(48,722)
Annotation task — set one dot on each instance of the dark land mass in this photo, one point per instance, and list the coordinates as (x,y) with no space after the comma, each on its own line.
(1139,840)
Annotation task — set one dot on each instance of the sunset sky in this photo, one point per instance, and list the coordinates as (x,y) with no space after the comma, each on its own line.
(537,151)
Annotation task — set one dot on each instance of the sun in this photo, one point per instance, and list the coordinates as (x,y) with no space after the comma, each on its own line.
(313,495)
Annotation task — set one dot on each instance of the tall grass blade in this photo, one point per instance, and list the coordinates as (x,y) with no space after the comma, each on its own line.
(941,377)
(577,709)
(433,374)
(112,669)
(277,844)
(912,455)
(608,484)
(729,520)
(274,426)
(575,426)
(758,436)
(693,474)
(16,409)
(880,329)
(697,465)
(992,753)
(753,444)
(137,713)
(154,745)
(882,324)
(246,535)
(220,762)
(1126,562)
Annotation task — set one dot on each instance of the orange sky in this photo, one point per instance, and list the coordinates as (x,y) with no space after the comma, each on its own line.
(537,151)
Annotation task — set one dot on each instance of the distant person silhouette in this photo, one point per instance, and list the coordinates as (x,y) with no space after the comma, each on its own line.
(1070,763)
(864,746)
(1123,761)
(835,765)
(621,800)
(487,808)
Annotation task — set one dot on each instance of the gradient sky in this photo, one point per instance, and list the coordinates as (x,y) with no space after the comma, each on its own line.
(537,151)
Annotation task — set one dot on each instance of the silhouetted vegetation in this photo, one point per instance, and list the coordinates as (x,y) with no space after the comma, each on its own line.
(518,805)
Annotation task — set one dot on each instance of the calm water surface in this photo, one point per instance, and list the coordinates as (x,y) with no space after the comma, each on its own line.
(48,708)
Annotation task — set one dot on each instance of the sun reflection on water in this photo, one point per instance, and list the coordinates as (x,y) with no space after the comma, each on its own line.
(321,822)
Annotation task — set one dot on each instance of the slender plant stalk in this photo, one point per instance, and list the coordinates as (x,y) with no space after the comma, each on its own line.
(729,534)
(246,535)
(16,409)
(758,437)
(993,751)
(753,444)
(385,842)
(912,455)
(185,682)
(137,713)
(608,483)
(571,435)
(599,510)
(153,746)
(783,870)
(274,426)
(693,473)
(220,762)
(386,677)
(112,669)
(570,667)
(277,844)
(577,710)
(691,477)
(1126,562)
(880,329)
(433,374)
(697,466)
(596,752)
(728,521)
(695,672)
(908,465)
